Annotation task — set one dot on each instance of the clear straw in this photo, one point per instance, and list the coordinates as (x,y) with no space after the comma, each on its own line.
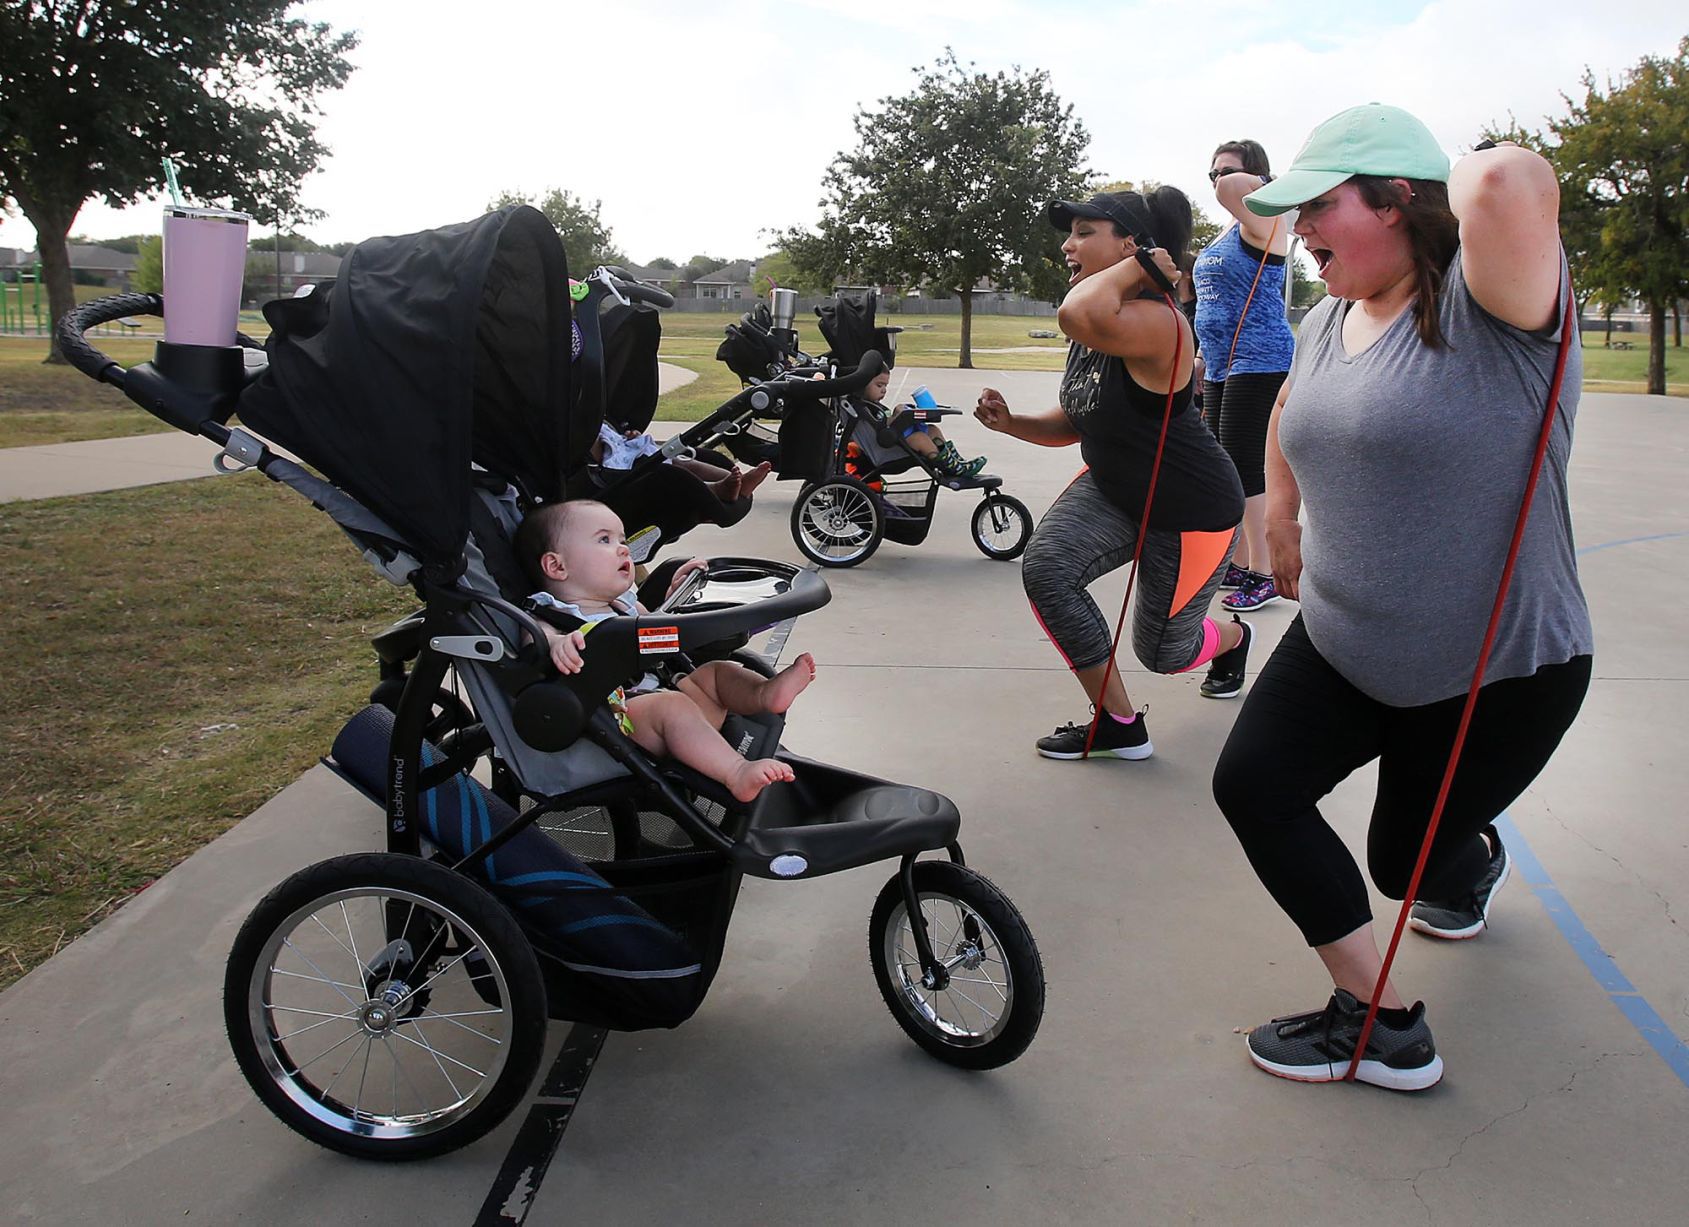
(170,181)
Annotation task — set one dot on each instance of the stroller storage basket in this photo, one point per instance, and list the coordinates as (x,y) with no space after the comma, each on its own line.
(641,971)
(909,509)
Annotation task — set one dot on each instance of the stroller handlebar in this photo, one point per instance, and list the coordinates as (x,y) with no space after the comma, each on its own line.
(192,387)
(840,385)
(75,346)
(620,281)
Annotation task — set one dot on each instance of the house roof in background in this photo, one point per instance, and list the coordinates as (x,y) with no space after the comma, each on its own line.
(738,272)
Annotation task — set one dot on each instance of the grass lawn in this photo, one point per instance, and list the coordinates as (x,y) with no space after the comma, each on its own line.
(175,655)
(1626,370)
(59,404)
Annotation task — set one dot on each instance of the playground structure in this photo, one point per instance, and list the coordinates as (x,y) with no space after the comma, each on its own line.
(25,312)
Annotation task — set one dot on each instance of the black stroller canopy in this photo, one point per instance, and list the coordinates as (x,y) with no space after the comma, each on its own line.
(429,351)
(848,324)
(632,336)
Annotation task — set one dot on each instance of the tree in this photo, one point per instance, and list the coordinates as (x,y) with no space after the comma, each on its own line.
(947,186)
(96,93)
(586,239)
(1622,157)
(778,268)
(664,264)
(149,265)
(1305,291)
(701,266)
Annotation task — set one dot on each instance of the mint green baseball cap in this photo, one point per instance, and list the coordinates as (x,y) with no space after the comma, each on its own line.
(1373,139)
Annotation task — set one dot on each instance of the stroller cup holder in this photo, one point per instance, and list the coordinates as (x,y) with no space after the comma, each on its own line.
(192,387)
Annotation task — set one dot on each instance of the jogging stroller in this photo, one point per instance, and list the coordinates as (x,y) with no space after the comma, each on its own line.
(539,865)
(878,488)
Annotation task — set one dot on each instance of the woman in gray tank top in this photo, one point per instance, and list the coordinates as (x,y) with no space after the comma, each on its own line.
(1397,455)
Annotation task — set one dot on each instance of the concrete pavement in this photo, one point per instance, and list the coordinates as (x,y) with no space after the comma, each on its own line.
(793,1098)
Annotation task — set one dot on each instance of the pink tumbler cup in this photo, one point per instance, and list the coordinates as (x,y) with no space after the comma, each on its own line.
(204,265)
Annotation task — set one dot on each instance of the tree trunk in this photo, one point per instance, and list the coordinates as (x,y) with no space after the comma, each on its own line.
(1608,315)
(1677,324)
(966,362)
(1656,349)
(51,227)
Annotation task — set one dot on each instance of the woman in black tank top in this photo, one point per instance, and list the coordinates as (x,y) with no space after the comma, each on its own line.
(1130,352)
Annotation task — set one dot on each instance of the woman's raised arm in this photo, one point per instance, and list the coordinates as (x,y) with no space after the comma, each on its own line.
(1507,201)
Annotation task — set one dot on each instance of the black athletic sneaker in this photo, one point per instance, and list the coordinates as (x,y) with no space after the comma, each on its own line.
(1462,918)
(1113,738)
(1225,671)
(1318,1047)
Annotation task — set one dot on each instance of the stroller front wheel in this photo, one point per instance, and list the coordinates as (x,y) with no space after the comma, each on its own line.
(987,1007)
(838,522)
(385,1006)
(1001,527)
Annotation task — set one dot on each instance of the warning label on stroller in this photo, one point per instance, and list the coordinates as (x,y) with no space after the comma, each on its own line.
(655,640)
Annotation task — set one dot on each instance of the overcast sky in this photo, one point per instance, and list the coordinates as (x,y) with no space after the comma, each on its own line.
(701,124)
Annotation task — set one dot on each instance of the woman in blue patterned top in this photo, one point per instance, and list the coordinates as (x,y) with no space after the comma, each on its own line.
(1247,345)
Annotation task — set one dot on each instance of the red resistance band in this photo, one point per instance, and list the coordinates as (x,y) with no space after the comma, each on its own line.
(1566,332)
(1143,521)
(1259,269)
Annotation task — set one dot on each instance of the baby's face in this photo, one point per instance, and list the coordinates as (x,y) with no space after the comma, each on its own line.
(594,550)
(876,389)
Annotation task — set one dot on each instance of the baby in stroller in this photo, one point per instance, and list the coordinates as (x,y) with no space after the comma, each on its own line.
(925,440)
(577,552)
(620,449)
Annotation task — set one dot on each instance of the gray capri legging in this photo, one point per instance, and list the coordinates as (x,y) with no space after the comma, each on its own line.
(1085,535)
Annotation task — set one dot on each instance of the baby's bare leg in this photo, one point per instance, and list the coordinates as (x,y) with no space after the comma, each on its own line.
(670,724)
(725,686)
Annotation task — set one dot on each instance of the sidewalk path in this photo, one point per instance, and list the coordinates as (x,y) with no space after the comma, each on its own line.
(56,469)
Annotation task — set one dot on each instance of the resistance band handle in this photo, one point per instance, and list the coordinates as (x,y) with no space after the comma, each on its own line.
(1147,263)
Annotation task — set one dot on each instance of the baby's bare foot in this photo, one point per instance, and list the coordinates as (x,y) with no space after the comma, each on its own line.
(750,778)
(779,691)
(727,489)
(754,478)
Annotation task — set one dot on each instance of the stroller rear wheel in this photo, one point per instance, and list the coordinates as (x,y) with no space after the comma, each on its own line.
(1001,527)
(838,522)
(384,1006)
(986,1008)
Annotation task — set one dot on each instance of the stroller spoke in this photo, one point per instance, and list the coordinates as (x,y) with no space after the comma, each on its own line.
(430,1015)
(357,1104)
(444,1073)
(347,1017)
(428,983)
(322,976)
(348,1038)
(438,1054)
(335,938)
(351,940)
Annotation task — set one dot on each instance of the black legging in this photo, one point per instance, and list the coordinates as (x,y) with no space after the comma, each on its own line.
(1237,411)
(1304,728)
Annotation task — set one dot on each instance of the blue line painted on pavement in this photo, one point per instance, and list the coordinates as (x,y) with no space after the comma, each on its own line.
(1623,994)
(1608,545)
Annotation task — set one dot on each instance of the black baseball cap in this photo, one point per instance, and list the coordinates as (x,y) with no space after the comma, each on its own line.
(1101,207)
